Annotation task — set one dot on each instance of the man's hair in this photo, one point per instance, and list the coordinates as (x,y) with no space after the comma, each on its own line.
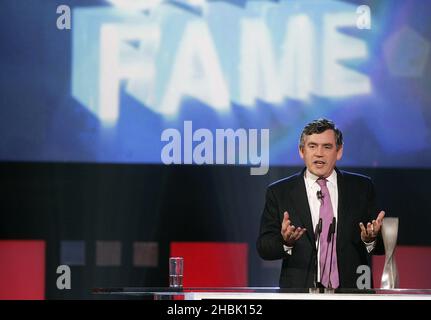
(319,126)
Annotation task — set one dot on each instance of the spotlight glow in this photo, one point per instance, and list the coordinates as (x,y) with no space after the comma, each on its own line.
(135,5)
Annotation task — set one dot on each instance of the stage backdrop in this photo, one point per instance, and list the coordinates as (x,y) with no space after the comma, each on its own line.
(106,89)
(97,96)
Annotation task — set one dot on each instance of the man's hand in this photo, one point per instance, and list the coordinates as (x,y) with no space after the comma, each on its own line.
(289,232)
(373,228)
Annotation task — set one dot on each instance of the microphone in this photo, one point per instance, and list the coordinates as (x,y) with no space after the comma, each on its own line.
(318,229)
(317,233)
(319,195)
(331,230)
(331,235)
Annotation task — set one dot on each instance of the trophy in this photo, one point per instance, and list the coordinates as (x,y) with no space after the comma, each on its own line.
(390,277)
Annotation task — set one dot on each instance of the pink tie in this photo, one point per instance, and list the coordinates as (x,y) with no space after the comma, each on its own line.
(327,213)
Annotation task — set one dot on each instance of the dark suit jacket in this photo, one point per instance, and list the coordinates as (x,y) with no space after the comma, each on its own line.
(356,203)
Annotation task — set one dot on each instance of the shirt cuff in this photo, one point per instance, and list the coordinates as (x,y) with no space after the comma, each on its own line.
(287,249)
(370,246)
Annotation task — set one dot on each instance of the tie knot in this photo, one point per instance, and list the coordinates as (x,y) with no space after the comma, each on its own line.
(322,182)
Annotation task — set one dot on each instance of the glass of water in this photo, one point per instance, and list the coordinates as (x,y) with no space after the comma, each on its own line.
(176,269)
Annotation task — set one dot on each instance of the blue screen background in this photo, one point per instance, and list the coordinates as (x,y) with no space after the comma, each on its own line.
(43,119)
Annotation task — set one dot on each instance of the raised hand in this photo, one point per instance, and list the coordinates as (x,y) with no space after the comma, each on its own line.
(289,232)
(370,233)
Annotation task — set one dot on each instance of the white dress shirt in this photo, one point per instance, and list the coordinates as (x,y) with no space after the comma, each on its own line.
(313,187)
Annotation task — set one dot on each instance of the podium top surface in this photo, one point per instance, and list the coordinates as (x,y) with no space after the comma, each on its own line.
(198,293)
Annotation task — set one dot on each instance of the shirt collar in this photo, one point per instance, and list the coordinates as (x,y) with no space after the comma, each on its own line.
(311,178)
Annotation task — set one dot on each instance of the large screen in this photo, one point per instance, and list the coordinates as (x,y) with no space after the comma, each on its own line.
(213,82)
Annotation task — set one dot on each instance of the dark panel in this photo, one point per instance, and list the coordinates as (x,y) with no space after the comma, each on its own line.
(127,203)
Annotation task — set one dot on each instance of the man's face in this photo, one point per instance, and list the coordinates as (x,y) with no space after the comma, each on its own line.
(320,153)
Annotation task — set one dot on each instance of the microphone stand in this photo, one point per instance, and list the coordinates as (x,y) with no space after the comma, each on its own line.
(331,236)
(316,285)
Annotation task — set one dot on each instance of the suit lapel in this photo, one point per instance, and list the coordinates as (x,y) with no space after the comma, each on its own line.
(302,207)
(342,201)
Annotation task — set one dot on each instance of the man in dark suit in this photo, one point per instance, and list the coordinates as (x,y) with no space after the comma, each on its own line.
(297,205)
